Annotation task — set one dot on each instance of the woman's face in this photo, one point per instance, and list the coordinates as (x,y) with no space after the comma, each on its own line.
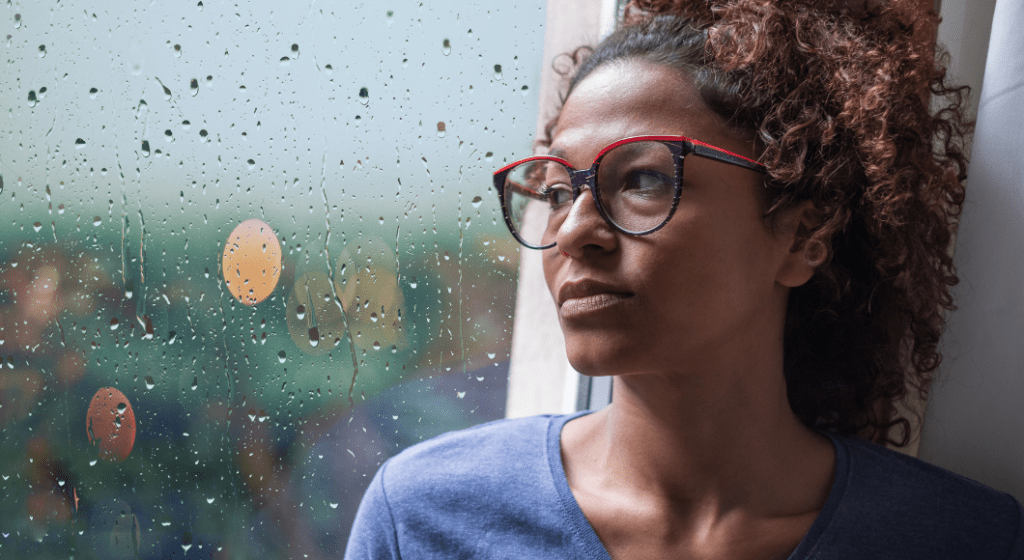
(712,283)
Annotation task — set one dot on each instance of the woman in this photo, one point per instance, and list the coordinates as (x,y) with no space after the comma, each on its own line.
(745,211)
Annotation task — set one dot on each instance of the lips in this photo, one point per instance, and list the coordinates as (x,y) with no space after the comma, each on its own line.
(587,296)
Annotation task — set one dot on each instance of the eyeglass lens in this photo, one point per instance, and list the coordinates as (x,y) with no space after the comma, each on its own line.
(636,186)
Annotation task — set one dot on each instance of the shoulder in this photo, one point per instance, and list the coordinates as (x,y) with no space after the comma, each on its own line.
(491,460)
(898,502)
(483,492)
(486,446)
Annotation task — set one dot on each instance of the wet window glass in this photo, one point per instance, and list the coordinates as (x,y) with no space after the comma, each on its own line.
(248,251)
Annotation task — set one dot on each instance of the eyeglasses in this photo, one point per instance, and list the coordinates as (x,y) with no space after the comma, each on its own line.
(636,184)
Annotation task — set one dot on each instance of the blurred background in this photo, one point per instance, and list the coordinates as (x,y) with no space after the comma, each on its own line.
(174,387)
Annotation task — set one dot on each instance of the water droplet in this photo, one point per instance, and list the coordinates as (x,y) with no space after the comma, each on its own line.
(477,201)
(93,92)
(17,21)
(446,47)
(281,356)
(440,129)
(381,220)
(334,505)
(79,143)
(37,226)
(114,324)
(489,156)
(364,96)
(491,355)
(149,382)
(194,86)
(497,71)
(373,317)
(252,163)
(210,500)
(376,345)
(300,312)
(177,51)
(172,336)
(195,382)
(121,407)
(199,6)
(314,336)
(295,47)
(524,90)
(168,135)
(185,547)
(145,148)
(394,349)
(32,98)
(462,394)
(96,220)
(42,51)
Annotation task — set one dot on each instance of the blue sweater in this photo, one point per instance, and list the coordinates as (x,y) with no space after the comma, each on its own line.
(499,491)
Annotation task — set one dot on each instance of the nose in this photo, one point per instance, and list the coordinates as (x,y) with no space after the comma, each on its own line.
(584,229)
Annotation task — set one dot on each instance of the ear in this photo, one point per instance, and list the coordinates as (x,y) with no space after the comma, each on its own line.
(806,252)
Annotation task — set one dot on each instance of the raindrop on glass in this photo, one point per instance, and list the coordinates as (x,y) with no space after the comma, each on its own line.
(37,226)
(314,336)
(497,71)
(364,96)
(281,356)
(477,201)
(446,47)
(194,86)
(145,148)
(149,382)
(440,129)
(96,220)
(114,324)
(42,51)
(300,312)
(79,143)
(177,50)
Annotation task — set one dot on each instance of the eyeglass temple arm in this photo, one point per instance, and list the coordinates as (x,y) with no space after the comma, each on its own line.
(726,157)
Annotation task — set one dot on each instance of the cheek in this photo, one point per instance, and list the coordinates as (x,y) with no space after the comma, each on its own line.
(551,261)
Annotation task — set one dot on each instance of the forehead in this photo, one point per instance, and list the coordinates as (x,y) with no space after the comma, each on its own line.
(632,98)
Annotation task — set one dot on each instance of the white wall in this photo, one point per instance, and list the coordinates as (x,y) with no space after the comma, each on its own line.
(974,425)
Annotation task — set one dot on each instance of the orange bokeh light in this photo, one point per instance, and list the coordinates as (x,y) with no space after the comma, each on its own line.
(252,261)
(110,424)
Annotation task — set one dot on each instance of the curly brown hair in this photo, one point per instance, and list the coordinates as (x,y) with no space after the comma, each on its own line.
(838,100)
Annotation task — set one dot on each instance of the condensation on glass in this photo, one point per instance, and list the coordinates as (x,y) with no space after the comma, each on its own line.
(247,253)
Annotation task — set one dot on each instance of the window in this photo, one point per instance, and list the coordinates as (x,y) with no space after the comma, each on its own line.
(248,251)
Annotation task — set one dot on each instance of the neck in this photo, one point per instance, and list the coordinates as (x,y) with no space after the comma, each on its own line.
(708,444)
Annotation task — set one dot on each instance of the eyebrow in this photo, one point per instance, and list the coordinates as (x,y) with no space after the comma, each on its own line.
(558,154)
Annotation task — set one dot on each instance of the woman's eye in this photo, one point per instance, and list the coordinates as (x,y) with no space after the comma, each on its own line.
(646,182)
(557,194)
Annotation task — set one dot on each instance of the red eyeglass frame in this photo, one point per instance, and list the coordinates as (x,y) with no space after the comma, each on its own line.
(681,146)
